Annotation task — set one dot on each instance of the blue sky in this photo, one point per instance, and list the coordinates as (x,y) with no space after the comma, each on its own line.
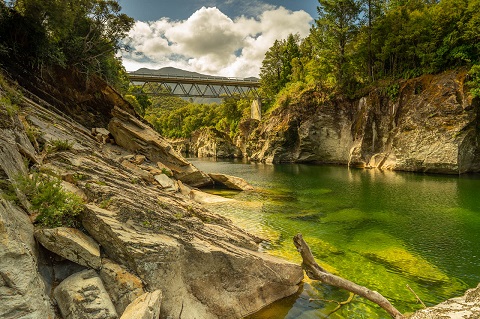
(151,10)
(227,38)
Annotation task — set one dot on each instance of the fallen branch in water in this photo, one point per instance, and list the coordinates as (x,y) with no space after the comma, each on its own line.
(314,271)
(418,298)
(339,303)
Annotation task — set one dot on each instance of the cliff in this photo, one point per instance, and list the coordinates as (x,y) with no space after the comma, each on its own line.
(141,248)
(426,124)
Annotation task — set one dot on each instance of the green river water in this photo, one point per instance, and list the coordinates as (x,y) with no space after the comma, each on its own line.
(381,229)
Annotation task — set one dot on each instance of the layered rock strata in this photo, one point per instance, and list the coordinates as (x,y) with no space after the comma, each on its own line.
(429,124)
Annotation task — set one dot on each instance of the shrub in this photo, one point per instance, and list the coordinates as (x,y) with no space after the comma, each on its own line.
(61,145)
(55,206)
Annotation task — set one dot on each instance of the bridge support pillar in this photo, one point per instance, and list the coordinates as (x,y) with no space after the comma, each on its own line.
(256,110)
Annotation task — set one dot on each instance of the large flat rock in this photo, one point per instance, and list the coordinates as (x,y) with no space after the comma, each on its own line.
(209,273)
(72,244)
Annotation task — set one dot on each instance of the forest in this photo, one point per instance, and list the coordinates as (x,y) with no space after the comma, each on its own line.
(353,45)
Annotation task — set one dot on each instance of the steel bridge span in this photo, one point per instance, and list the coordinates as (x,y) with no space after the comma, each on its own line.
(193,86)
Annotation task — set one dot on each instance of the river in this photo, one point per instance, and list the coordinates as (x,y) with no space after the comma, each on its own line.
(382,229)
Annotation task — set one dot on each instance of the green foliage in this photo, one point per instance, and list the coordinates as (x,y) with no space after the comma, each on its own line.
(173,117)
(357,42)
(10,97)
(277,67)
(55,206)
(60,145)
(138,98)
(474,82)
(393,91)
(84,34)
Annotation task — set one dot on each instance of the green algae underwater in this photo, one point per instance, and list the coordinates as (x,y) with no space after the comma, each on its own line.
(381,229)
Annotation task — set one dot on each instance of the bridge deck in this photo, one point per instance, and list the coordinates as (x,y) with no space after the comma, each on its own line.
(214,80)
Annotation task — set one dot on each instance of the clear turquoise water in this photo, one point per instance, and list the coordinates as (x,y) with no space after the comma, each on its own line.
(381,229)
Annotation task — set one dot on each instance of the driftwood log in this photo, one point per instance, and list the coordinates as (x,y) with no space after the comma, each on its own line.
(315,272)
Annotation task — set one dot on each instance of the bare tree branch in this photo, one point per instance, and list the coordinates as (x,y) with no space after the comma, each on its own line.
(314,271)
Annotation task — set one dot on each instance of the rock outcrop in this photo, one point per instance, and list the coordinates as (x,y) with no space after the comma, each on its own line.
(122,286)
(22,288)
(155,238)
(146,306)
(208,142)
(136,136)
(429,125)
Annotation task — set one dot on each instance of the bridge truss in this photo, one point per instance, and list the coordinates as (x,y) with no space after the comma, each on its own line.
(192,86)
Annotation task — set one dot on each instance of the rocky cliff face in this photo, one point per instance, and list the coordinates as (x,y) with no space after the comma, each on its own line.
(141,240)
(431,124)
(208,142)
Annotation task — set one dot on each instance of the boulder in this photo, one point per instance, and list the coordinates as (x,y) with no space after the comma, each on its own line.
(214,269)
(466,306)
(101,135)
(231,182)
(72,244)
(83,296)
(122,286)
(166,183)
(137,137)
(147,306)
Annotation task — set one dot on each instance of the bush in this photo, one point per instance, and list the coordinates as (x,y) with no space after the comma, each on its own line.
(55,206)
(61,145)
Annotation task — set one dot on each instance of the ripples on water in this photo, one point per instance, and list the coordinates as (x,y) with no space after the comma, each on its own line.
(381,229)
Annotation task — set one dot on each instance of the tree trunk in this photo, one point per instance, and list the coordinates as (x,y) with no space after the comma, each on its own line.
(314,271)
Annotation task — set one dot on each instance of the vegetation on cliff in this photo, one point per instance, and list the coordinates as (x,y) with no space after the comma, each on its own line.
(355,43)
(86,35)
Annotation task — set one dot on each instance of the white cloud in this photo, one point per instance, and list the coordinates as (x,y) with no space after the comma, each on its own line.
(210,42)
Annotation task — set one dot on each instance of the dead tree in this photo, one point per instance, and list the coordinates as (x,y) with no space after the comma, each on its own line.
(315,272)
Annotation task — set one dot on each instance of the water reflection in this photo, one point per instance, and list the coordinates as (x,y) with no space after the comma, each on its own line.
(382,229)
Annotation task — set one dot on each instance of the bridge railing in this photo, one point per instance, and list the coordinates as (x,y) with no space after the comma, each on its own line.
(190,77)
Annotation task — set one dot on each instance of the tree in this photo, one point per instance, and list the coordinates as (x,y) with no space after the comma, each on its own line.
(337,26)
(85,34)
(277,67)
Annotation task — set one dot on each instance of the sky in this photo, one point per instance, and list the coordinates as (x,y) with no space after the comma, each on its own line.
(226,38)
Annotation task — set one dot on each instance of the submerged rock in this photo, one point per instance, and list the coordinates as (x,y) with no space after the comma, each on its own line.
(231,182)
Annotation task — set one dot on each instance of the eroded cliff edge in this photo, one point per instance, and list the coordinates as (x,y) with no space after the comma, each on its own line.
(426,124)
(138,233)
